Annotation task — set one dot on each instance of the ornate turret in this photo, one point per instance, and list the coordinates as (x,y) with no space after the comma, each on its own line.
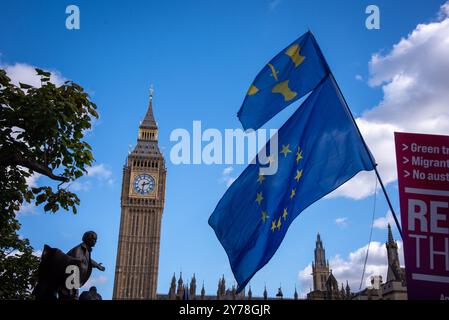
(280,295)
(348,290)
(185,293)
(180,291)
(192,288)
(394,268)
(320,254)
(148,132)
(148,121)
(320,268)
(250,293)
(172,291)
(295,295)
(221,290)
(203,292)
(233,292)
(265,293)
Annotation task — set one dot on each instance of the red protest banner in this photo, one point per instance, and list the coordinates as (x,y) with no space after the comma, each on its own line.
(423,178)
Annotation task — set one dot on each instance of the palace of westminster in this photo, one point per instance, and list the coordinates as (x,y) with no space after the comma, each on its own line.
(142,204)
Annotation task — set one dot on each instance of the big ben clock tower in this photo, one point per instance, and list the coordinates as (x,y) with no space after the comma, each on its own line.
(142,204)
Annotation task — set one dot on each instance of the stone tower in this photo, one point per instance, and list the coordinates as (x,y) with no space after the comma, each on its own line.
(320,268)
(394,268)
(142,204)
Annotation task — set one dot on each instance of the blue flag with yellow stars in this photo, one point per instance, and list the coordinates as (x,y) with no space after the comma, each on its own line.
(320,148)
(290,75)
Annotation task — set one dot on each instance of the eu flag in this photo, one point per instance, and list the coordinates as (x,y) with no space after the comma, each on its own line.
(320,148)
(290,75)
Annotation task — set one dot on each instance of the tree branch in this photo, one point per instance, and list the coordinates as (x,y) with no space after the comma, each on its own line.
(16,160)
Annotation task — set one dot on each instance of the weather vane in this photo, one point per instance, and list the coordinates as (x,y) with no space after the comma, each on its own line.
(151,91)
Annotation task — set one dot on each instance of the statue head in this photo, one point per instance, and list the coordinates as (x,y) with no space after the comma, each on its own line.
(90,238)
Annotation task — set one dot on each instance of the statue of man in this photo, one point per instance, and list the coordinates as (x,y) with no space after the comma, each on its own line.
(92,294)
(82,252)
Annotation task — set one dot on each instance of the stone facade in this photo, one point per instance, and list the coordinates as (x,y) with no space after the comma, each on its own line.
(178,289)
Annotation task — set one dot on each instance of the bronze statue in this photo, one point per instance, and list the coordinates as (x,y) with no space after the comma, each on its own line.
(92,294)
(51,273)
(52,269)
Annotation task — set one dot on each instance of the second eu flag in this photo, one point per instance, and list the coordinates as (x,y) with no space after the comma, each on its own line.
(290,75)
(319,150)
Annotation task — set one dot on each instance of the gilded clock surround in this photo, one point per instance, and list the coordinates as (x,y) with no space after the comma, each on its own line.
(133,193)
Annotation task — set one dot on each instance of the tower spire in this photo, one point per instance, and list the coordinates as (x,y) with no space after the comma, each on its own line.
(390,235)
(148,121)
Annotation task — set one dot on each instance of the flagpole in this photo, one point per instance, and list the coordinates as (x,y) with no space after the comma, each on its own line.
(372,161)
(363,140)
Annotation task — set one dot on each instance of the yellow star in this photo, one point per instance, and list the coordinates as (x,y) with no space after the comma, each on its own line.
(273,225)
(293,193)
(298,175)
(265,216)
(279,224)
(285,214)
(274,72)
(293,53)
(298,155)
(261,178)
(252,90)
(259,198)
(270,159)
(283,88)
(285,150)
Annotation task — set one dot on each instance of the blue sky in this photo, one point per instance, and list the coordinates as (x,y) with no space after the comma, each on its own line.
(201,57)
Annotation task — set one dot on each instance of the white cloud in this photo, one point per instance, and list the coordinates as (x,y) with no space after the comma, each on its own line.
(382,222)
(77,186)
(27,209)
(32,180)
(36,253)
(98,174)
(351,268)
(343,221)
(414,76)
(226,176)
(25,73)
(101,172)
(358,77)
(305,279)
(94,281)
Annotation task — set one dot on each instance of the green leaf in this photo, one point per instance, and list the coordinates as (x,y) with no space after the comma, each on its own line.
(48,207)
(41,198)
(25,86)
(41,72)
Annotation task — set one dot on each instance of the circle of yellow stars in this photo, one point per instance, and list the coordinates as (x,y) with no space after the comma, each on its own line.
(276,223)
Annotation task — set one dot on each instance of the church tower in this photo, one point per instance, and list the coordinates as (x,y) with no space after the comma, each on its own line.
(320,268)
(394,268)
(142,204)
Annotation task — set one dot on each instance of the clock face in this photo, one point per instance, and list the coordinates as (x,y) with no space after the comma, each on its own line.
(144,184)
